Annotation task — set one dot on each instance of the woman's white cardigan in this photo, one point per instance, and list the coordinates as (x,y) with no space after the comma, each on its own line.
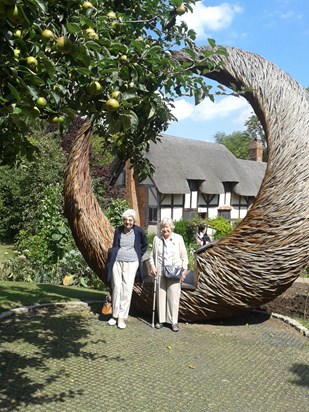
(180,251)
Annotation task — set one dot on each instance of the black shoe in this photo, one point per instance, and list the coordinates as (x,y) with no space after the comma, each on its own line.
(175,327)
(159,325)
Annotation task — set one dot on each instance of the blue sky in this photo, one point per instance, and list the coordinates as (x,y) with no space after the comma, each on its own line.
(277,30)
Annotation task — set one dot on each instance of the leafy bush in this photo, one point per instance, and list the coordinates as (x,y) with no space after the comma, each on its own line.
(221,226)
(31,217)
(22,186)
(72,266)
(187,229)
(50,237)
(115,210)
(150,237)
(71,269)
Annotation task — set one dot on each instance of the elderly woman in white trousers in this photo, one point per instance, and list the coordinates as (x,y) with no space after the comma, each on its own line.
(123,267)
(168,249)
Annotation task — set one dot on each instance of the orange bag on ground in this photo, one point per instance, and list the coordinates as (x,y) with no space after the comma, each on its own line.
(107,308)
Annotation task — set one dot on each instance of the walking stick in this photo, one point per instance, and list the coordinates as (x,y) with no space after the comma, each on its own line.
(154,300)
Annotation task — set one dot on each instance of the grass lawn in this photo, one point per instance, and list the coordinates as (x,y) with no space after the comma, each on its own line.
(15,294)
(6,252)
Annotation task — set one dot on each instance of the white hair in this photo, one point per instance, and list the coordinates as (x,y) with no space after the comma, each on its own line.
(129,213)
(167,221)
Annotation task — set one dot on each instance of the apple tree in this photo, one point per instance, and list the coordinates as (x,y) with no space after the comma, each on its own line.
(107,60)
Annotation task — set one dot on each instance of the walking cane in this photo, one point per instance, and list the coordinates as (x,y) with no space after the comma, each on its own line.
(154,300)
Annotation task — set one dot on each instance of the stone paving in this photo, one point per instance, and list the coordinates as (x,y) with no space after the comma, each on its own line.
(71,360)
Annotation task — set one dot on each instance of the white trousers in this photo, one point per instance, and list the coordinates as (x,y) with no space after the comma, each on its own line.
(122,286)
(168,300)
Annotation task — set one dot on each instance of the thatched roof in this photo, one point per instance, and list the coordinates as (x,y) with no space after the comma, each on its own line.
(178,160)
(253,175)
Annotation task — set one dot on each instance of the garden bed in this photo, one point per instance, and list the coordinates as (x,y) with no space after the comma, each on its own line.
(293,302)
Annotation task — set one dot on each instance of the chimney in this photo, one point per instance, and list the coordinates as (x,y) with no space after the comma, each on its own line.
(256,150)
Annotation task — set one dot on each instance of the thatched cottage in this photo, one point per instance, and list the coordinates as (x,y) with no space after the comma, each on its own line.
(192,177)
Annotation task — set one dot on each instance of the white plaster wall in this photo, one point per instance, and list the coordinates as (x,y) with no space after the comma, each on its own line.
(177,213)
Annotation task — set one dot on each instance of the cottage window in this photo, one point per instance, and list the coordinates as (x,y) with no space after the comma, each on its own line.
(191,198)
(225,213)
(152,215)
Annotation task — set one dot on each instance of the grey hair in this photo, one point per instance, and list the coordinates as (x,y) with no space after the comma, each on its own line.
(129,213)
(167,221)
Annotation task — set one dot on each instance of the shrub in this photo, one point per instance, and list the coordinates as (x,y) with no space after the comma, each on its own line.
(150,237)
(50,237)
(187,229)
(221,226)
(22,186)
(73,267)
(115,210)
(31,216)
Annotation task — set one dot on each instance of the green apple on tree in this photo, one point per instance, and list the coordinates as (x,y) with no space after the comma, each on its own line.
(115,93)
(32,62)
(41,102)
(58,119)
(112,105)
(16,53)
(124,59)
(112,15)
(94,88)
(17,34)
(47,34)
(87,5)
(64,44)
(92,34)
(181,10)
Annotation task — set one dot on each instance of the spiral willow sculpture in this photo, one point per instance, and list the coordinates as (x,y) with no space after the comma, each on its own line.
(263,256)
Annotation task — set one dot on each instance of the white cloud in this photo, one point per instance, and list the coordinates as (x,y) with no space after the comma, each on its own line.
(182,109)
(236,109)
(210,18)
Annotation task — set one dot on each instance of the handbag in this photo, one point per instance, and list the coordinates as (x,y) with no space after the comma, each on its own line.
(107,308)
(172,272)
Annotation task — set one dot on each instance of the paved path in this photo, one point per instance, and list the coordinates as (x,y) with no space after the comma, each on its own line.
(73,361)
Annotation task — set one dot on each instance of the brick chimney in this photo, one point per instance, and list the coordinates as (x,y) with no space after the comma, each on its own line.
(256,150)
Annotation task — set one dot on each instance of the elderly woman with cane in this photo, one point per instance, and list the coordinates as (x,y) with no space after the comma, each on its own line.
(168,263)
(129,245)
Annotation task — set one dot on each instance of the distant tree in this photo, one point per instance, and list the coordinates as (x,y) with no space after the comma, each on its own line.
(237,143)
(255,128)
(256,131)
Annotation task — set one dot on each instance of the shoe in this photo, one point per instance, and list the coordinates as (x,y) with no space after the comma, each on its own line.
(158,325)
(122,325)
(175,327)
(112,322)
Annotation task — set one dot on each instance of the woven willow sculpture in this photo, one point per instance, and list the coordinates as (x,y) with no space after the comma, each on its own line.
(262,257)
